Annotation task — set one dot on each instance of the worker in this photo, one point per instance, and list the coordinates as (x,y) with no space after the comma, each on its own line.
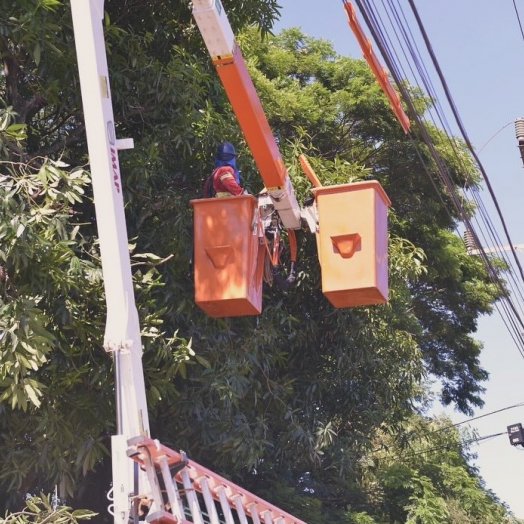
(225,179)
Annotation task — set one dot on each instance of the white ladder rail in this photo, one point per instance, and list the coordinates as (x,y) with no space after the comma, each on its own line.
(173,495)
(237,500)
(224,503)
(209,501)
(192,500)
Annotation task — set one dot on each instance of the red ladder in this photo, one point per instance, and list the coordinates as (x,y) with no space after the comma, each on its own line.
(182,479)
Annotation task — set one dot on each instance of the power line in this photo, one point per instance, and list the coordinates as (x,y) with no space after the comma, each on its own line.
(447,446)
(455,445)
(508,310)
(518,19)
(520,404)
(462,129)
(471,419)
(494,135)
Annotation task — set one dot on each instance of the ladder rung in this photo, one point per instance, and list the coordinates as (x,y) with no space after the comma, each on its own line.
(161,517)
(155,449)
(164,517)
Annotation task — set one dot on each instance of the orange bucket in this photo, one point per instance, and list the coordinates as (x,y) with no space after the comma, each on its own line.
(353,243)
(228,257)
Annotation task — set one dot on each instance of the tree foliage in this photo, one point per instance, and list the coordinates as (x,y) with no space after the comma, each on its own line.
(296,395)
(44,509)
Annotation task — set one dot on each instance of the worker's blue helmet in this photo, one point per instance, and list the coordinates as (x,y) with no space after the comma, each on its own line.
(225,151)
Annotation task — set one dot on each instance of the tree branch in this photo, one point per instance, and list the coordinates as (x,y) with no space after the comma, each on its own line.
(151,264)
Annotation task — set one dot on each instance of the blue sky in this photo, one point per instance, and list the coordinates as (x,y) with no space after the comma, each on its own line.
(480,48)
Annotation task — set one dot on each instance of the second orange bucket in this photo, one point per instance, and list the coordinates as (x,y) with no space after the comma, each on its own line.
(352,243)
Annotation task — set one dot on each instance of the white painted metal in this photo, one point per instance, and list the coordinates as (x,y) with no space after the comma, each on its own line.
(171,489)
(208,499)
(125,143)
(154,494)
(224,504)
(252,509)
(122,333)
(218,36)
(237,500)
(285,202)
(194,478)
(214,27)
(266,515)
(123,474)
(192,500)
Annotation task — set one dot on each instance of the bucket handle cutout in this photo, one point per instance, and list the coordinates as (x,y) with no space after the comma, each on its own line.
(347,244)
(220,256)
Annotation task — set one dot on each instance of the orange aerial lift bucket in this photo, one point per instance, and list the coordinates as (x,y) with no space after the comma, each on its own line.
(228,257)
(352,243)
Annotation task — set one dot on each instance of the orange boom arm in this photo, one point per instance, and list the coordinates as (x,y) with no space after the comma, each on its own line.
(380,73)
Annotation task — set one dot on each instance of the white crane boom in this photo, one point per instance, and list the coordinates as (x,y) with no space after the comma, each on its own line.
(122,333)
(162,471)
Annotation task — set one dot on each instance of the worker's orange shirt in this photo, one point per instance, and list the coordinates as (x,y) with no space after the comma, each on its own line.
(224,182)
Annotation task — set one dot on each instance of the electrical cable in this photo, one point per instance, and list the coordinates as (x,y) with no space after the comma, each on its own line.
(461,127)
(518,19)
(373,20)
(429,88)
(457,445)
(447,446)
(491,271)
(511,122)
(450,426)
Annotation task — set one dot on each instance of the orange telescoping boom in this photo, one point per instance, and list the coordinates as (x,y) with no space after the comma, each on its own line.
(231,68)
(350,220)
(380,73)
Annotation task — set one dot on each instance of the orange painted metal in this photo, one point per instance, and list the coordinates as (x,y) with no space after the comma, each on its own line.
(246,105)
(228,258)
(352,243)
(380,73)
(308,170)
(199,474)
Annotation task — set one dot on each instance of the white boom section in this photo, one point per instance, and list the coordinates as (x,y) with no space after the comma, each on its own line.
(122,333)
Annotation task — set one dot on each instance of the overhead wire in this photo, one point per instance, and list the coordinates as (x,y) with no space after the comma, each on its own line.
(509,303)
(457,446)
(493,273)
(494,135)
(466,421)
(472,419)
(518,19)
(462,129)
(511,316)
(441,116)
(405,29)
(447,446)
(445,125)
